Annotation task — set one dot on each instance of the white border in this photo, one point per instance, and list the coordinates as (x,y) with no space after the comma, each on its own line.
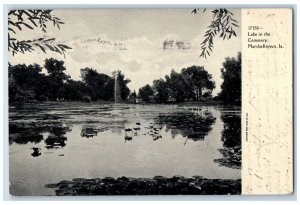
(84,3)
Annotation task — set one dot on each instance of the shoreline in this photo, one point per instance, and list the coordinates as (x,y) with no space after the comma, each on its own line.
(186,103)
(158,185)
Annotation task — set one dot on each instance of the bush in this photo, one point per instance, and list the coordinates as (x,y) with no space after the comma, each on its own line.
(86,99)
(43,98)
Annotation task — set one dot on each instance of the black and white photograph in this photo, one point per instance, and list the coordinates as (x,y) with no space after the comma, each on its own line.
(124,101)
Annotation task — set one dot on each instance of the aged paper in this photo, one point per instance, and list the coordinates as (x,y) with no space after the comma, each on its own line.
(267,119)
(150,101)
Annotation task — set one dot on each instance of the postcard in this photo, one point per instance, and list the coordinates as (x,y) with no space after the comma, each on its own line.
(170,101)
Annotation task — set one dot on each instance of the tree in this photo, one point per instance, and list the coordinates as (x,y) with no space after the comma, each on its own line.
(200,79)
(146,93)
(122,83)
(57,78)
(100,85)
(25,82)
(75,90)
(134,95)
(231,86)
(223,25)
(161,90)
(32,19)
(180,86)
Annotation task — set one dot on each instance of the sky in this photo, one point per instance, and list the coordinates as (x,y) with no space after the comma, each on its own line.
(132,40)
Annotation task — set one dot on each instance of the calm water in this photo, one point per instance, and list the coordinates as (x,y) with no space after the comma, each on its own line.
(88,141)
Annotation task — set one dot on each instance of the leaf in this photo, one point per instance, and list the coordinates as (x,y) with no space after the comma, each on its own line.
(50,47)
(64,46)
(10,29)
(11,22)
(26,25)
(42,48)
(50,39)
(32,21)
(18,26)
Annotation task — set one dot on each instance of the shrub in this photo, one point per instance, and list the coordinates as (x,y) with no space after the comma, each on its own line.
(43,98)
(86,99)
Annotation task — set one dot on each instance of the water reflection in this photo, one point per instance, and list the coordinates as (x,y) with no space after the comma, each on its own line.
(191,125)
(24,133)
(56,139)
(36,152)
(231,138)
(25,137)
(89,132)
(20,134)
(154,136)
(231,135)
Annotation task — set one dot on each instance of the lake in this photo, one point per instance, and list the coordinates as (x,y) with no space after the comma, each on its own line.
(55,141)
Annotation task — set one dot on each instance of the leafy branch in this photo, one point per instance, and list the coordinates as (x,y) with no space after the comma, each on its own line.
(31,19)
(223,25)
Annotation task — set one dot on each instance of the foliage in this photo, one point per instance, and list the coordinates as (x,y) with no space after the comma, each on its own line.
(56,78)
(31,83)
(25,82)
(100,86)
(133,94)
(146,93)
(201,80)
(132,97)
(122,83)
(32,19)
(75,90)
(231,86)
(86,99)
(223,25)
(190,83)
(180,86)
(161,90)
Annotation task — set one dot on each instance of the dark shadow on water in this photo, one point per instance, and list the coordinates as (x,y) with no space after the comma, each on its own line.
(36,152)
(34,132)
(26,137)
(191,125)
(88,132)
(56,139)
(231,135)
(231,138)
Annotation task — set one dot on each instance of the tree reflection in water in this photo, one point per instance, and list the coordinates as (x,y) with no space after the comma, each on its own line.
(89,132)
(191,125)
(20,134)
(56,138)
(34,132)
(231,138)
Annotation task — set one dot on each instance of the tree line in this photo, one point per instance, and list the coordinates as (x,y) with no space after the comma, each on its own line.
(195,83)
(50,82)
(27,83)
